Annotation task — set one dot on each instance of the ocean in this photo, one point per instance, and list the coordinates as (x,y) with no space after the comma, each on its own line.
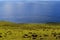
(30,11)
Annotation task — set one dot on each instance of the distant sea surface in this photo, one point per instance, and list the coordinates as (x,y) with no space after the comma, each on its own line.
(30,12)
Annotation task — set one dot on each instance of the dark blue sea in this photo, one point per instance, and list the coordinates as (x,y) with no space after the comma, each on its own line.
(30,11)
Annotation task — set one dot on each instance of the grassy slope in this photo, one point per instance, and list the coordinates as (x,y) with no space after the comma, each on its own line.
(13,31)
(4,24)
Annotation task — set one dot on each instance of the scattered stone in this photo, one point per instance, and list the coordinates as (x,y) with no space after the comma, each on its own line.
(25,36)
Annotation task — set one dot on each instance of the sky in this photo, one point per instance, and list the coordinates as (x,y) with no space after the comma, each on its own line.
(30,12)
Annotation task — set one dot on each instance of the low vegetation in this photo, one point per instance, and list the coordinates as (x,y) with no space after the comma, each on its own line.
(32,31)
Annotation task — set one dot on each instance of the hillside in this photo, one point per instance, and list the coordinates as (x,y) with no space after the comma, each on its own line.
(48,25)
(21,31)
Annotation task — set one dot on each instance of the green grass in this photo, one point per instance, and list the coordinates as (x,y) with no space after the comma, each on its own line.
(44,31)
